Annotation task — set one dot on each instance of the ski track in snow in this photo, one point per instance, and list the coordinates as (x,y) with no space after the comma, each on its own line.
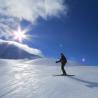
(34,79)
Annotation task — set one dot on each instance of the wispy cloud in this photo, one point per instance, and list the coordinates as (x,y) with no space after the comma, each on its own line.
(13,11)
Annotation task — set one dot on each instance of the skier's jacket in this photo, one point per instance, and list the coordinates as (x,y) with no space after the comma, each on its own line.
(63,59)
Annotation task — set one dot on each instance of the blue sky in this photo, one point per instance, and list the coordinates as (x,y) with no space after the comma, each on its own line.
(74,33)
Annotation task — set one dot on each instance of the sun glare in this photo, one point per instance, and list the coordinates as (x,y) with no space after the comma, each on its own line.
(20,34)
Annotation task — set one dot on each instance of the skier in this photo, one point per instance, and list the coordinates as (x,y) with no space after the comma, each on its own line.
(63,61)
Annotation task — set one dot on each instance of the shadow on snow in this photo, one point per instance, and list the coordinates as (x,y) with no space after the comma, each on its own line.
(89,83)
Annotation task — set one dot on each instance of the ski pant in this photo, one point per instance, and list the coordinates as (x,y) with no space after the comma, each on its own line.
(62,68)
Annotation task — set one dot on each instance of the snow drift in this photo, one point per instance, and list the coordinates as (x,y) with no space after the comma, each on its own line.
(14,50)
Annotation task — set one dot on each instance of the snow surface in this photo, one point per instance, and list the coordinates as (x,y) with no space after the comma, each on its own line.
(35,79)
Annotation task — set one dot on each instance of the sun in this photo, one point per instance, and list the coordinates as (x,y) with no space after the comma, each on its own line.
(19,35)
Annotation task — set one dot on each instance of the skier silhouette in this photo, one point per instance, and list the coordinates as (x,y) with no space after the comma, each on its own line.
(63,61)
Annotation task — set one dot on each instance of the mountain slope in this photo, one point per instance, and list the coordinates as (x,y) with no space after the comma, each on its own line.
(35,79)
(14,50)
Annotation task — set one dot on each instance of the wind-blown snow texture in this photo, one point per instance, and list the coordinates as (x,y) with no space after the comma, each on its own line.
(34,79)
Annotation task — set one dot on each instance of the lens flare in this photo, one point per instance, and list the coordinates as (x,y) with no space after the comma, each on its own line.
(83,59)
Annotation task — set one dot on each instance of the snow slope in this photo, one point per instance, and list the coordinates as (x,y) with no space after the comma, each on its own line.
(35,79)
